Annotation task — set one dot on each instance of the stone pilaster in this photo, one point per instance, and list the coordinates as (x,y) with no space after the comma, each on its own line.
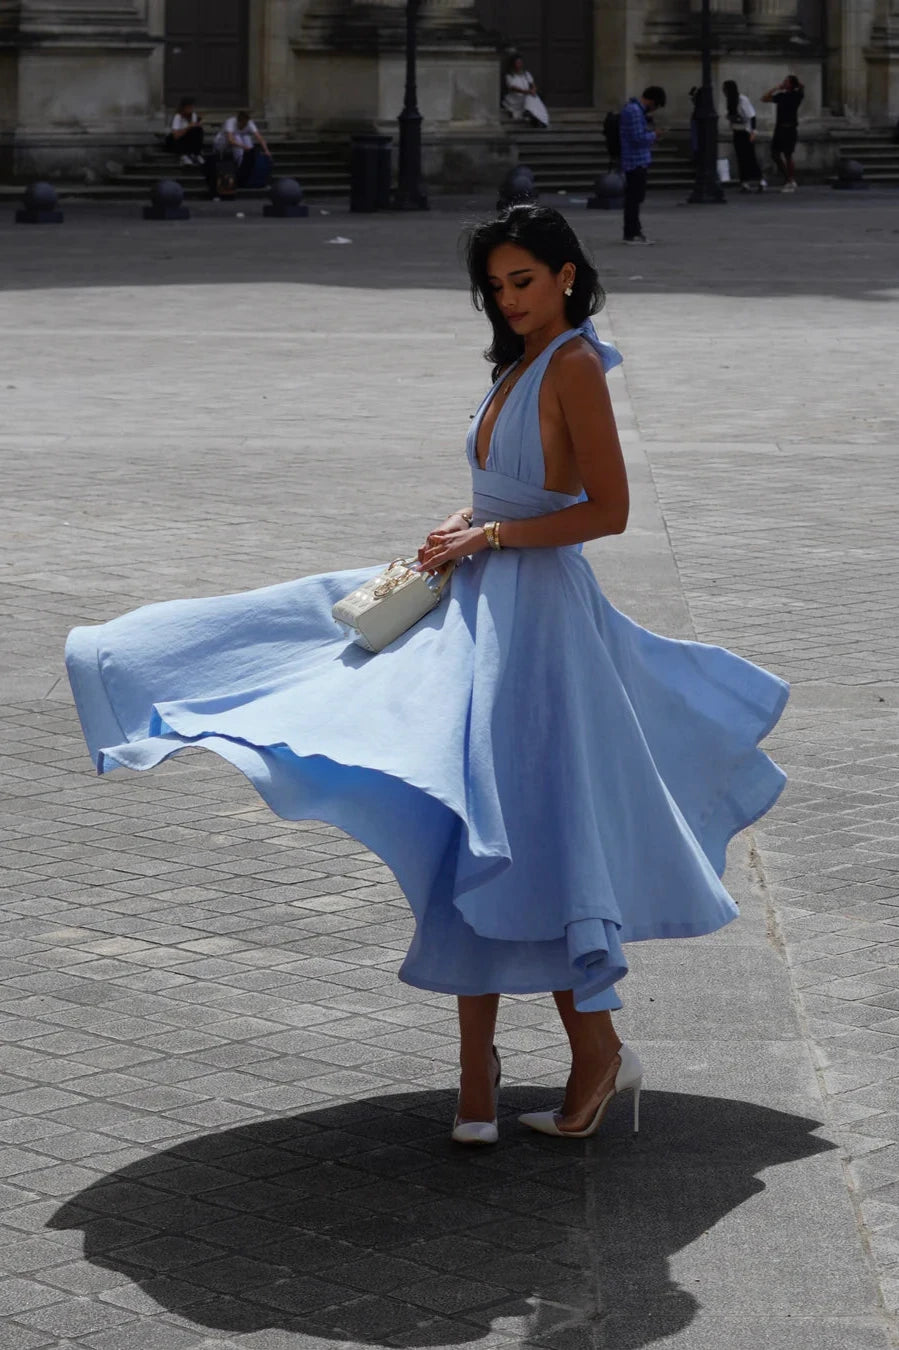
(849,25)
(882,55)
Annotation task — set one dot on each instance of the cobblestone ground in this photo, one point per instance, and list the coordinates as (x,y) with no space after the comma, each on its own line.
(224,1122)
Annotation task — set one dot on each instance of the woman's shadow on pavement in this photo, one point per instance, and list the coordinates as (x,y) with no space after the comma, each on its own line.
(365,1223)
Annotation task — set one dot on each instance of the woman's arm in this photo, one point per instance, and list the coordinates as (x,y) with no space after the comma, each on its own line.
(261,139)
(580,385)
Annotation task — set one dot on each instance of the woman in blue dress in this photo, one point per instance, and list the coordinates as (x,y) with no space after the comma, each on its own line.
(547,780)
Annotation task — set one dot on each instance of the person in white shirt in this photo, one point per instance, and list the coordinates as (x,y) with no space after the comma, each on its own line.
(185,135)
(520,98)
(741,115)
(240,138)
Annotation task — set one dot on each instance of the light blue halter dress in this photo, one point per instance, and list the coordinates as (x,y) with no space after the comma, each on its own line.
(546,779)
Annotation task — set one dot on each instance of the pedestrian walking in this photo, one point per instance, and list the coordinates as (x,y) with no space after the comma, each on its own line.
(547,780)
(786,96)
(638,136)
(185,135)
(741,115)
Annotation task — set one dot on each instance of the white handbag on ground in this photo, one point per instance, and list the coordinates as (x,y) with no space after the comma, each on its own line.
(382,609)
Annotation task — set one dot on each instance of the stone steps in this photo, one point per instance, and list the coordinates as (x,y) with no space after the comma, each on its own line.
(877,151)
(320,168)
(574,162)
(571,153)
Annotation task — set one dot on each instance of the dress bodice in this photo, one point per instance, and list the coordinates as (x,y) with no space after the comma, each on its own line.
(511,485)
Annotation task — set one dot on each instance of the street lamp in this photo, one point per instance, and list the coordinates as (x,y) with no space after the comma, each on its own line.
(706,187)
(410,193)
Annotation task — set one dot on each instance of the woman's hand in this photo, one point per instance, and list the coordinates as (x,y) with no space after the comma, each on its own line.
(449,545)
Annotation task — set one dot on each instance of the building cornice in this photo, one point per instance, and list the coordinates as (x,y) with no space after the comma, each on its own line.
(732,35)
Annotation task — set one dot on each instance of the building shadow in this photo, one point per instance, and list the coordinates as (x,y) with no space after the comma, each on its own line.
(364,1222)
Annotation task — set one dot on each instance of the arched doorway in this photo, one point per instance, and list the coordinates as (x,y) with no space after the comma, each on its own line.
(555,37)
(206,51)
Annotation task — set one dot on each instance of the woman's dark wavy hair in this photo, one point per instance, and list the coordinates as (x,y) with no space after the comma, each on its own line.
(732,95)
(548,236)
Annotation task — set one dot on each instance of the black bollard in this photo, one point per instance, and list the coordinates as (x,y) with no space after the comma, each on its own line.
(287,200)
(850,176)
(518,188)
(608,193)
(167,197)
(40,206)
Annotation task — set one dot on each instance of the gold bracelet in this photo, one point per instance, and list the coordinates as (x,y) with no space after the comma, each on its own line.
(491,530)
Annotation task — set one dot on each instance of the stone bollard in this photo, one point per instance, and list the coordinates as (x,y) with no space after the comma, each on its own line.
(40,206)
(608,193)
(518,188)
(167,199)
(850,176)
(287,200)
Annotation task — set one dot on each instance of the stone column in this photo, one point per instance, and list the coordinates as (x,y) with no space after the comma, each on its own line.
(850,28)
(271,61)
(882,56)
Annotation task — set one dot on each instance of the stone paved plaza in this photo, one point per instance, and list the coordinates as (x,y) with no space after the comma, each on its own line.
(224,1122)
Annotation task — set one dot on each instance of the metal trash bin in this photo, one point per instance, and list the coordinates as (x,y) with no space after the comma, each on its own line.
(370,173)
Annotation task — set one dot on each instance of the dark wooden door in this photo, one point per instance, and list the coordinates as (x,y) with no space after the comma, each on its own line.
(206,51)
(555,37)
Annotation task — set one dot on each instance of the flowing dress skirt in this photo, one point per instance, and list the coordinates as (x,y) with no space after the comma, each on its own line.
(546,779)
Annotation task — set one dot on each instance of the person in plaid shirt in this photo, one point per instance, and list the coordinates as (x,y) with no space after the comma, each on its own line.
(637,140)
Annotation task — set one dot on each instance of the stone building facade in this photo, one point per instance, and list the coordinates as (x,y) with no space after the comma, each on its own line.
(86,84)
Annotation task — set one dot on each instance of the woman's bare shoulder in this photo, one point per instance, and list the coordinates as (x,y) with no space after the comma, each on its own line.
(576,364)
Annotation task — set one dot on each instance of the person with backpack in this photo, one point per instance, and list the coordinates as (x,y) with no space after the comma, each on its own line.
(637,139)
(741,115)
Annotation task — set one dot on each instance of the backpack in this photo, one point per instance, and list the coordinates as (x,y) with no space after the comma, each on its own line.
(611,130)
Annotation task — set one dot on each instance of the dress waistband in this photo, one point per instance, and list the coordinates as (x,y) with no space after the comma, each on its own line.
(496,496)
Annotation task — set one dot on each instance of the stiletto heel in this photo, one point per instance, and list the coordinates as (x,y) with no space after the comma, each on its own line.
(480,1131)
(625,1073)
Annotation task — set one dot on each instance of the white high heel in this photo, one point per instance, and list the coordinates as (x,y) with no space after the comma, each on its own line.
(480,1131)
(625,1073)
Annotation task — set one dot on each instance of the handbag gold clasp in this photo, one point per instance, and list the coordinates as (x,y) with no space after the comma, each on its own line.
(395,576)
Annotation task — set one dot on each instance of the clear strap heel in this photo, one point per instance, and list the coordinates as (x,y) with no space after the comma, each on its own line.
(625,1074)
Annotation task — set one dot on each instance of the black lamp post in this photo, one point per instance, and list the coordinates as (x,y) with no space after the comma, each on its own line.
(410,193)
(706,187)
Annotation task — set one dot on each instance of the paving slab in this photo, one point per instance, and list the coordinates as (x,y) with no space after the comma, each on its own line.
(225,1122)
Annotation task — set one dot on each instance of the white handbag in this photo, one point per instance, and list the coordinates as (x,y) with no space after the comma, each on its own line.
(382,609)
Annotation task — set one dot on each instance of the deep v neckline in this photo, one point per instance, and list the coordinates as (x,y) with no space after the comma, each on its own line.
(488,404)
